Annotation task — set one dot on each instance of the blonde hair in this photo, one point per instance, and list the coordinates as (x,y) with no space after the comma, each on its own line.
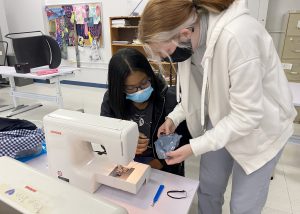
(162,19)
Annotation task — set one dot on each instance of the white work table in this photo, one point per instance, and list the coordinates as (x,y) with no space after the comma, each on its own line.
(141,202)
(63,73)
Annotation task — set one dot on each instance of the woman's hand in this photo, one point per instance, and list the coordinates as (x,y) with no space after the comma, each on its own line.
(168,127)
(142,144)
(179,154)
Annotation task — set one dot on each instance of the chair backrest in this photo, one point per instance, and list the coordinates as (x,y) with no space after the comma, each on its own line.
(37,50)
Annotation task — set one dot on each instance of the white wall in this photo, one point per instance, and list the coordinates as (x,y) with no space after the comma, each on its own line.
(276,10)
(23,15)
(258,9)
(29,15)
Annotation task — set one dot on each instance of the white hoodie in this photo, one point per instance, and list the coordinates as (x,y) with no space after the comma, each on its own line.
(249,102)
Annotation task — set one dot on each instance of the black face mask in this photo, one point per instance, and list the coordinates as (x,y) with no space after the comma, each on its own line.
(181,54)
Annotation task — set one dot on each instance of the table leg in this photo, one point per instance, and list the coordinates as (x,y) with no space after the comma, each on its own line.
(17,109)
(59,94)
(12,90)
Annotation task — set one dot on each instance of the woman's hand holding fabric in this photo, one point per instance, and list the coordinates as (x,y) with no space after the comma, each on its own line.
(168,127)
(179,154)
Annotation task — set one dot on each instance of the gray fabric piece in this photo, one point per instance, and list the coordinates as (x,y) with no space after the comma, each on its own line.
(249,192)
(166,143)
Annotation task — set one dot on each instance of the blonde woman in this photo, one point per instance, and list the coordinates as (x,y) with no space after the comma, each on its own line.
(234,96)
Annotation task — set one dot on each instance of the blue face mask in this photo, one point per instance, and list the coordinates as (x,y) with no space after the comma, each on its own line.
(140,96)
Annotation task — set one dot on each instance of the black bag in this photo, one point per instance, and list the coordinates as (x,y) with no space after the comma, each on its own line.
(7,124)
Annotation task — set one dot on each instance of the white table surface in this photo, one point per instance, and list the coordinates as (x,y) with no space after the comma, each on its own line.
(141,202)
(10,71)
(295,88)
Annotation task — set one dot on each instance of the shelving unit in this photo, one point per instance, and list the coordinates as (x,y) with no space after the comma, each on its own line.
(289,49)
(123,33)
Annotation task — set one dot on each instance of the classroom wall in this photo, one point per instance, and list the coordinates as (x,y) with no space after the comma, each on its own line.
(23,15)
(258,9)
(29,15)
(96,72)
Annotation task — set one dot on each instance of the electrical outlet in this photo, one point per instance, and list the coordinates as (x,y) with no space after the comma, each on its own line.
(1,53)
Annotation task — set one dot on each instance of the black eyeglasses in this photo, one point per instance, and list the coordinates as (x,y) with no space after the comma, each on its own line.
(132,89)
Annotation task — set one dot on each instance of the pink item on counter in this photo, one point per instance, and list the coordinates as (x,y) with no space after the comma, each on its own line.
(47,71)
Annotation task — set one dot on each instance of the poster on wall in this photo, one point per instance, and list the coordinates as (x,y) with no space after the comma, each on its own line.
(77,25)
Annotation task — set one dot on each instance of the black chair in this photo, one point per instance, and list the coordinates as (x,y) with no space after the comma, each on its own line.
(36,49)
(3,81)
(3,48)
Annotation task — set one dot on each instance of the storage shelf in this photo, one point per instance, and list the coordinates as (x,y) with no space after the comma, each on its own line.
(125,17)
(127,32)
(128,45)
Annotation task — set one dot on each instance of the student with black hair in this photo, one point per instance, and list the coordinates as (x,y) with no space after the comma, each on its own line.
(136,93)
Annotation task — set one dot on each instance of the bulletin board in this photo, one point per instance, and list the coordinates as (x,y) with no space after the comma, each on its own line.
(77,25)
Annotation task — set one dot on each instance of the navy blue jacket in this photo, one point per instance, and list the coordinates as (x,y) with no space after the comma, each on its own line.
(162,106)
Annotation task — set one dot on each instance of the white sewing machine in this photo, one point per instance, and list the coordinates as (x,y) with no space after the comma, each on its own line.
(69,138)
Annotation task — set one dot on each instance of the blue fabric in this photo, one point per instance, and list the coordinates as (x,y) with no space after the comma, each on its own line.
(166,143)
(43,151)
(55,13)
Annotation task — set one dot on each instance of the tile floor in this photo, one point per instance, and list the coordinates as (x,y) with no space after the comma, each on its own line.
(284,193)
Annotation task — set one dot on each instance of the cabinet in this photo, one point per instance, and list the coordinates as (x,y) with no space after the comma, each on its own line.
(123,33)
(289,48)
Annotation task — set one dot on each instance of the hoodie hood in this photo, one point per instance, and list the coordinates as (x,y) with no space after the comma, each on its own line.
(216,24)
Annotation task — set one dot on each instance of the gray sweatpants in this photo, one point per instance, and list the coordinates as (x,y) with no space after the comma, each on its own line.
(249,192)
